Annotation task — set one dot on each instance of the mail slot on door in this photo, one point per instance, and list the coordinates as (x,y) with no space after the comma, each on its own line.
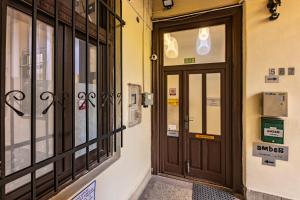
(172,133)
(204,137)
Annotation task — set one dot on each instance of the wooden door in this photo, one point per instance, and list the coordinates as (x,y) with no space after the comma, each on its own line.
(205,134)
(196,125)
(212,150)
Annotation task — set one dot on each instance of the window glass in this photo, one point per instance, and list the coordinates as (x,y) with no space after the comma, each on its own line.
(195,46)
(62,114)
(213,105)
(195,103)
(18,94)
(86,100)
(18,91)
(173,105)
(17,183)
(92,94)
(44,91)
(80,8)
(80,105)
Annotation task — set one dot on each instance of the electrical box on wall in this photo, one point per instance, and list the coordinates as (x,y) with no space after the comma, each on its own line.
(147,99)
(272,130)
(135,105)
(275,104)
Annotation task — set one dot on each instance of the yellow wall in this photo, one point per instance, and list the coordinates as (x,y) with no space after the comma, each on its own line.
(187,6)
(272,44)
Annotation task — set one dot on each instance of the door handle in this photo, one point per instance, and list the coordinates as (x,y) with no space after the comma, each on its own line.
(186,122)
(187,119)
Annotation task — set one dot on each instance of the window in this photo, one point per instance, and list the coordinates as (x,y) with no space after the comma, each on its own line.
(61,92)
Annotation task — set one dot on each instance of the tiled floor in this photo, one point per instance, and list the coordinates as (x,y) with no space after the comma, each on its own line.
(162,188)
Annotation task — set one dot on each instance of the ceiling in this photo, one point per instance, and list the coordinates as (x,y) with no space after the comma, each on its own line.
(187,6)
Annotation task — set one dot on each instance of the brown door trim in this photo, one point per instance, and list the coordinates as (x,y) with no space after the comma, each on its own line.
(234,16)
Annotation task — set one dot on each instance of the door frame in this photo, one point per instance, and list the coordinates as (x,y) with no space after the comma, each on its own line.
(236,82)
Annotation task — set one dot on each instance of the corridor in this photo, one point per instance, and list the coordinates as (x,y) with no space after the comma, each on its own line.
(149,100)
(160,188)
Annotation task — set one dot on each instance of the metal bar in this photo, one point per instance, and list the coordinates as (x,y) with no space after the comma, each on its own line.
(87,67)
(115,95)
(33,97)
(55,92)
(73,86)
(2,93)
(107,108)
(48,161)
(121,72)
(112,12)
(97,80)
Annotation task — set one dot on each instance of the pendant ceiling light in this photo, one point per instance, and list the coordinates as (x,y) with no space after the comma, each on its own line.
(170,46)
(203,44)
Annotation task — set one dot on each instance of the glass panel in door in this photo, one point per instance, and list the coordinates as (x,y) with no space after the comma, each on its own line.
(195,103)
(173,105)
(213,105)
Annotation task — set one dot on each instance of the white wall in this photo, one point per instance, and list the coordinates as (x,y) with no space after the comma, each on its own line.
(271,44)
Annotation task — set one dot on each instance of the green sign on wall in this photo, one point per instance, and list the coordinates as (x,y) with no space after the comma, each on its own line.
(272,130)
(189,60)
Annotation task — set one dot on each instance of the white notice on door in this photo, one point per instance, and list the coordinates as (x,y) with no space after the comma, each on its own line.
(171,127)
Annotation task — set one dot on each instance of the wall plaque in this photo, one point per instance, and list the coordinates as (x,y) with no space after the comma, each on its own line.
(270,150)
(88,193)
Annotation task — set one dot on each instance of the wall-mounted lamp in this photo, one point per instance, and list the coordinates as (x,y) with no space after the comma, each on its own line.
(272,6)
(168,3)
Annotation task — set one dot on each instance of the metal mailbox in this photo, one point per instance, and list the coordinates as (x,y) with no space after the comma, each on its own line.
(272,130)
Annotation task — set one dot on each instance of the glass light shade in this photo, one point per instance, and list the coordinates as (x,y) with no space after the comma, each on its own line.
(167,37)
(204,33)
(203,44)
(171,46)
